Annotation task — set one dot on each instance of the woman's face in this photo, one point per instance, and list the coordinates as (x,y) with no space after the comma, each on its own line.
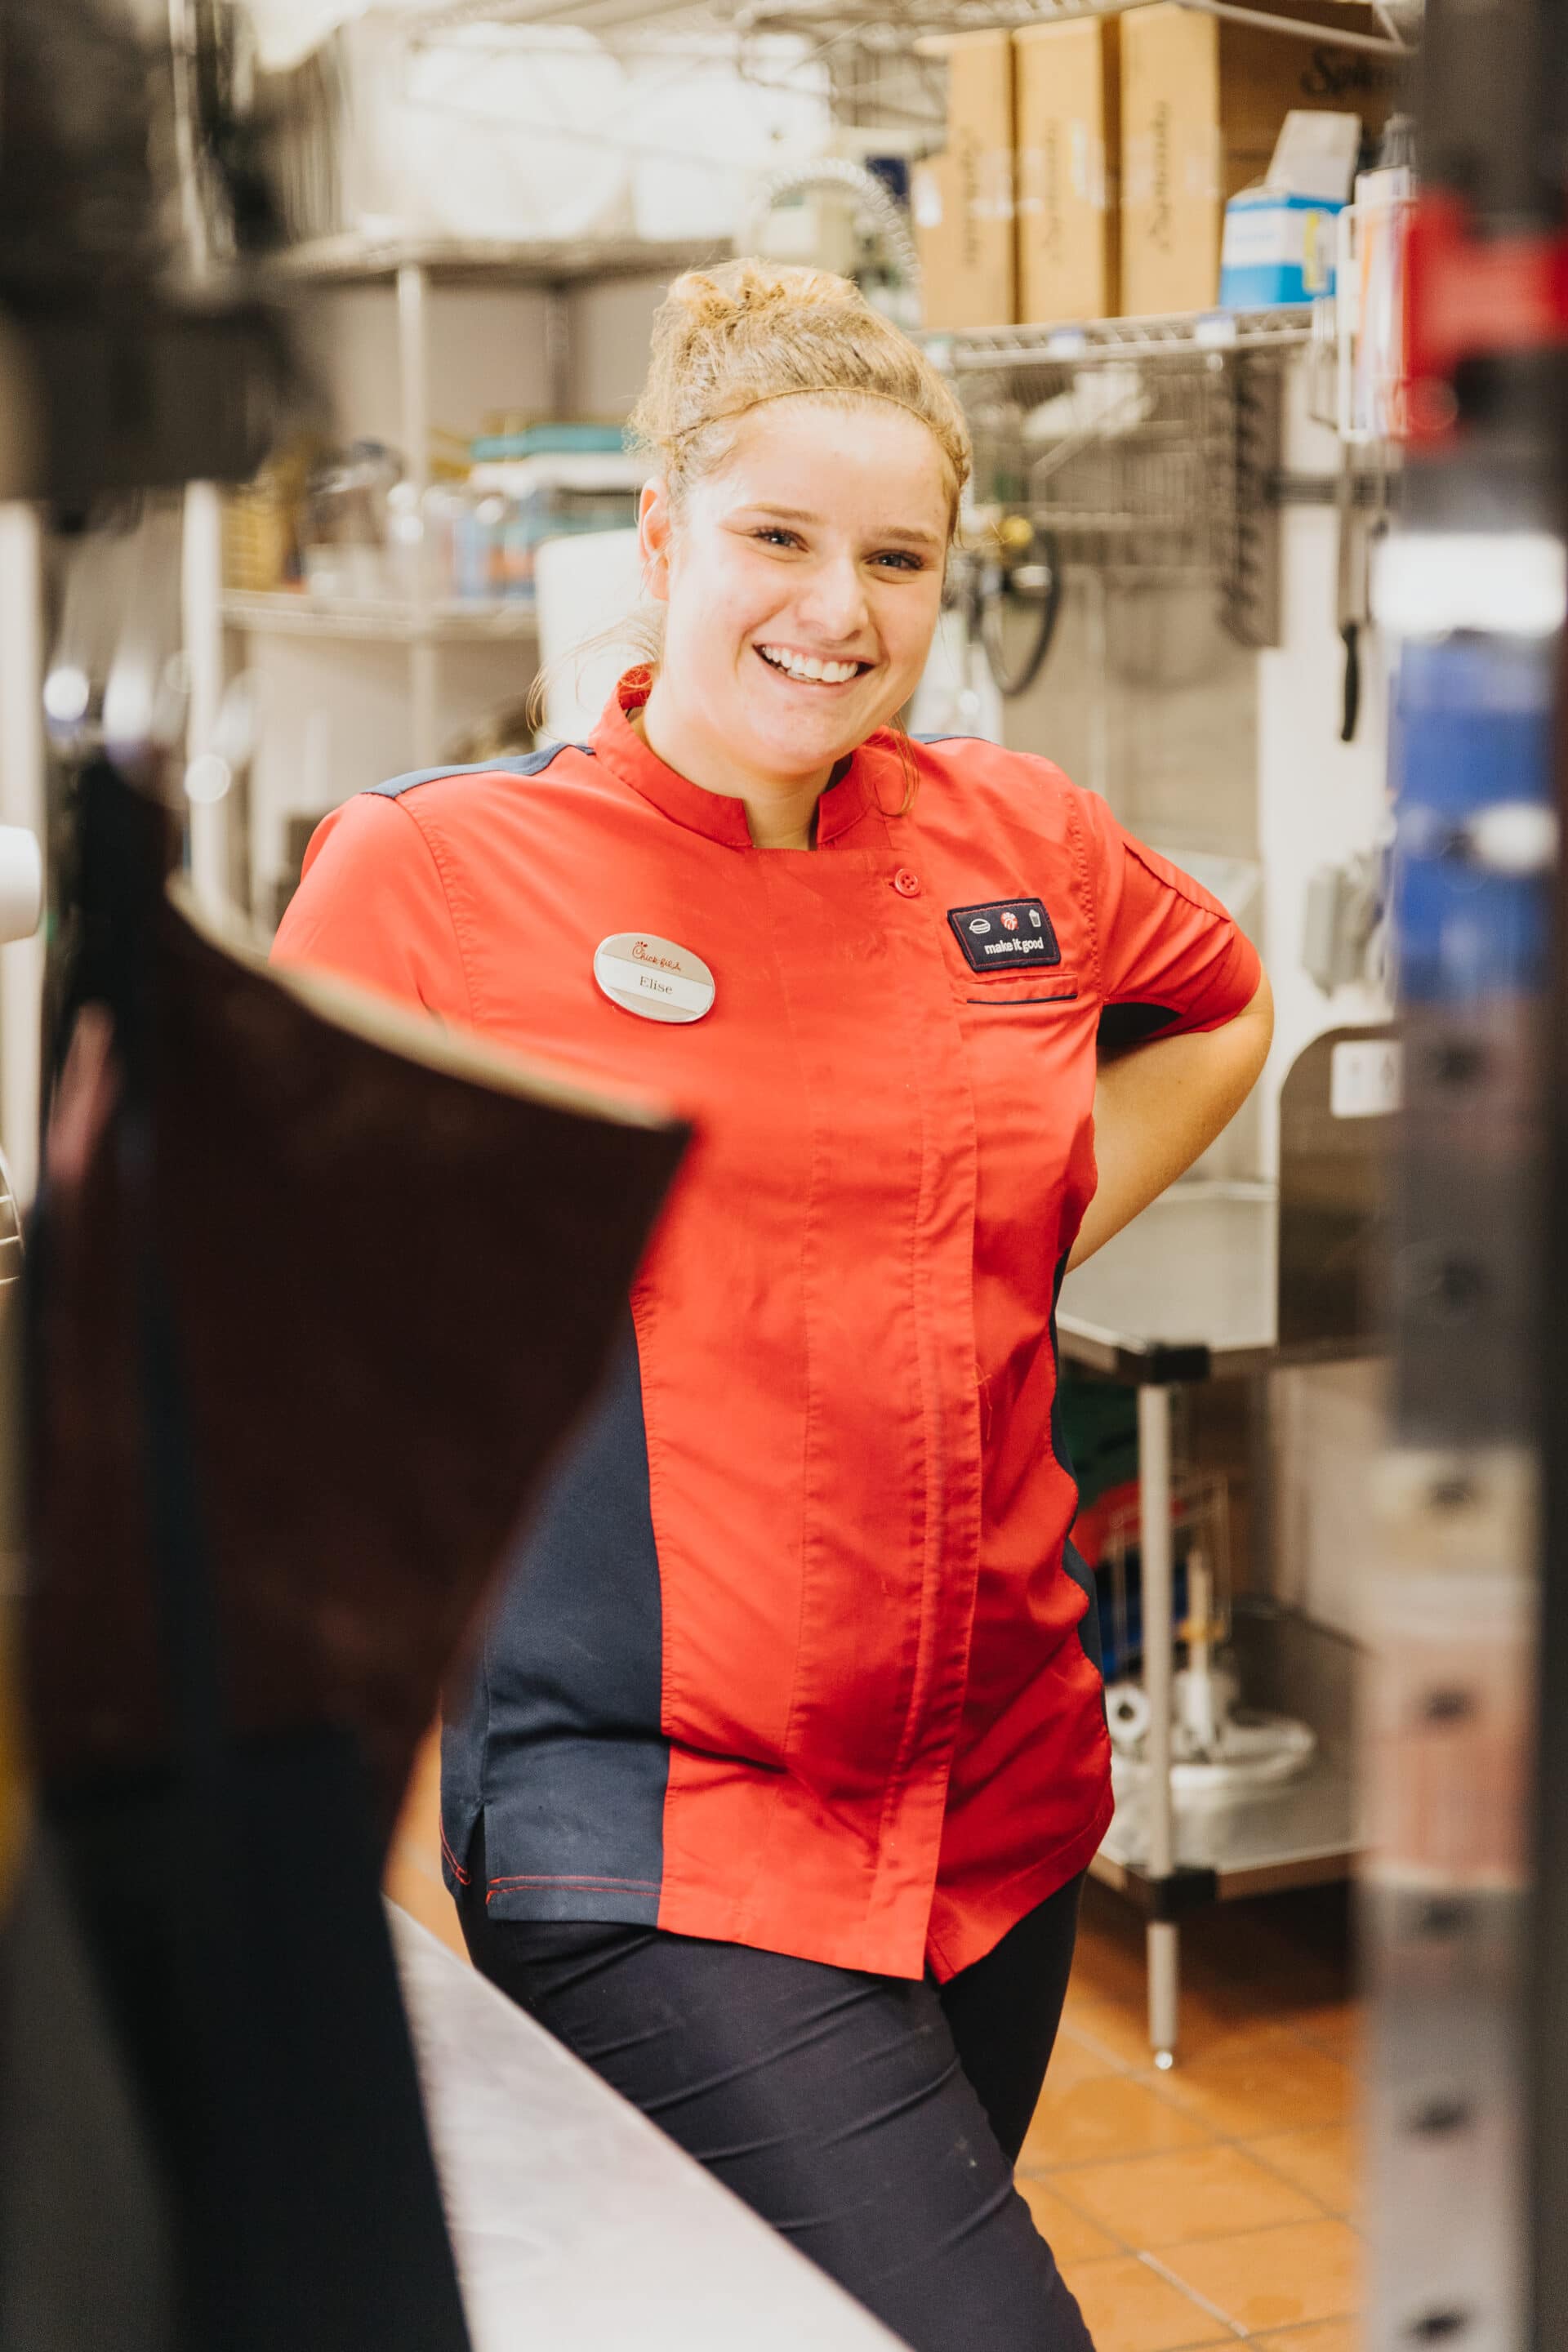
(802,579)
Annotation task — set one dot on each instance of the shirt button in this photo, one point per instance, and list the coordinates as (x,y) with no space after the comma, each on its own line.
(906,883)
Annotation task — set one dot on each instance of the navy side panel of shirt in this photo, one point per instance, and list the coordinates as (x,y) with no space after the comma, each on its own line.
(527,763)
(559,1744)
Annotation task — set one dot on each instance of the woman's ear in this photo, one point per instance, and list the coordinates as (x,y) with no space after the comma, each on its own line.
(653,520)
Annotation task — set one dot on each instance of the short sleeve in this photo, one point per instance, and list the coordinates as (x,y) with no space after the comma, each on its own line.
(371,907)
(1171,960)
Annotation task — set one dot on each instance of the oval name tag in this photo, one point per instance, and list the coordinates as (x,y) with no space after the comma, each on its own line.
(653,977)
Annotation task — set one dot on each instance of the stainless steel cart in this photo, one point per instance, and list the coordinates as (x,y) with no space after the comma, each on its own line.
(1189,1292)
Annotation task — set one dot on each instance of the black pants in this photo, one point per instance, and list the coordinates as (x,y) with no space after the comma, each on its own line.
(872,2120)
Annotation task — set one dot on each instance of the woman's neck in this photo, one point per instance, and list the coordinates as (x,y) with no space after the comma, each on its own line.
(779,816)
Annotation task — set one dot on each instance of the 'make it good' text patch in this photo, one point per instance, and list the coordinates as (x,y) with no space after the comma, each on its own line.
(1006,935)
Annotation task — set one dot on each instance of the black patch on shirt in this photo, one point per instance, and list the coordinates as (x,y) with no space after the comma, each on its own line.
(1004,936)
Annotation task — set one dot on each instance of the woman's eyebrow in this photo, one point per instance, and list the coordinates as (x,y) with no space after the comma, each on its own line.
(910,533)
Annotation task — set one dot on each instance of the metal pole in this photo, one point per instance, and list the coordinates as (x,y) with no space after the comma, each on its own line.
(22,802)
(558,349)
(414,376)
(209,821)
(1158,1638)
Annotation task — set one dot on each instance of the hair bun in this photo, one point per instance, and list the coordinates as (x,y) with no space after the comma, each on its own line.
(727,339)
(743,289)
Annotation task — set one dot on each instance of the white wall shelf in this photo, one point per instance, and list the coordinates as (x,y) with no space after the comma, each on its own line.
(356,260)
(291,614)
(435,637)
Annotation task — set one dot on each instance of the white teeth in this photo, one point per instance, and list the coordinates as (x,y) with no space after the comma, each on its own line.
(806,666)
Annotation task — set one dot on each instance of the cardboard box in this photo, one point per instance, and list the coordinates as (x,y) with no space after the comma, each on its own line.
(1203,99)
(963,199)
(1278,248)
(1069,104)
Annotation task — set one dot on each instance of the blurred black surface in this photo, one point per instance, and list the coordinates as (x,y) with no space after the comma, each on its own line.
(133,346)
(281,1428)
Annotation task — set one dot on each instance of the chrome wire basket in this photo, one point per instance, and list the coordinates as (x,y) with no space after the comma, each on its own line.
(1118,461)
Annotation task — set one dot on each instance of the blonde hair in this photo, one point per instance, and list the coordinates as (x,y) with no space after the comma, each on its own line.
(726,341)
(730,340)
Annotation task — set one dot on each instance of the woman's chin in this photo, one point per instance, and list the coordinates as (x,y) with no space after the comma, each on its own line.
(801,741)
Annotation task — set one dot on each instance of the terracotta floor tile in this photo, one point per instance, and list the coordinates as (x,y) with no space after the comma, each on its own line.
(1339,2335)
(1109,1959)
(1269,2083)
(1270,2279)
(1339,2028)
(1325,2162)
(1166,2200)
(1077,2060)
(412,1872)
(1128,2307)
(1116,2030)
(1213,2019)
(1097,2121)
(1069,2236)
(410,1886)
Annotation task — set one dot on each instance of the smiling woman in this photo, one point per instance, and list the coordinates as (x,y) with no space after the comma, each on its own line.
(786,1752)
(810,464)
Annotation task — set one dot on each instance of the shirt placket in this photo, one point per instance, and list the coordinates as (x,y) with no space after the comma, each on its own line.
(896,1034)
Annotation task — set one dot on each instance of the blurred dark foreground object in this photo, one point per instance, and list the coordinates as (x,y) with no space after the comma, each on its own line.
(134,205)
(312,1299)
(315,1292)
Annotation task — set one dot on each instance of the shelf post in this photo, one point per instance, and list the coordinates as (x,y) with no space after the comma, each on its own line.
(22,802)
(209,823)
(558,349)
(413,380)
(1159,1637)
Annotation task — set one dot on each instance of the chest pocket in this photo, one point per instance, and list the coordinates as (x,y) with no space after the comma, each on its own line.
(1047,985)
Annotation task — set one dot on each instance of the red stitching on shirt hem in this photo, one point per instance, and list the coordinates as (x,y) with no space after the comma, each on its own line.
(458,1873)
(548,1878)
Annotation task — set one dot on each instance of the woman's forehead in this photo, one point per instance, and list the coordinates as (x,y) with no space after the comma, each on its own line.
(815,453)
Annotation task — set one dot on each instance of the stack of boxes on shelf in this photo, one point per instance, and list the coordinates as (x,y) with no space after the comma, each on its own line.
(1090,162)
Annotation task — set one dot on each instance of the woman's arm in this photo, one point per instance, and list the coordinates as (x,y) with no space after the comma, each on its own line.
(1158,1107)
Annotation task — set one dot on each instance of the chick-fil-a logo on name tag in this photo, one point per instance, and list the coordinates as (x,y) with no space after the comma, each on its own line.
(655,977)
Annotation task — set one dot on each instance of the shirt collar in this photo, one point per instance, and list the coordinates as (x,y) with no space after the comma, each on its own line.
(721,815)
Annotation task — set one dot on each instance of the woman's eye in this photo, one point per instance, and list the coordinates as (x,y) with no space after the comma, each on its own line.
(901,561)
(775,537)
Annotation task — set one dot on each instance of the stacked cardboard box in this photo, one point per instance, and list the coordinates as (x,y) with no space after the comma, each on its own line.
(1202,99)
(963,199)
(1069,100)
(1089,163)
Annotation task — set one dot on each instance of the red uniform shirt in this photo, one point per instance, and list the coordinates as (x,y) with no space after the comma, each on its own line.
(796,1652)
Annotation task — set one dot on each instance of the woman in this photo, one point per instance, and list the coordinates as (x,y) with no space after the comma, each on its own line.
(787,1753)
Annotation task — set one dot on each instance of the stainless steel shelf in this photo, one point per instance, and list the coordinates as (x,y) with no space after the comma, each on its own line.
(351,260)
(1193,1276)
(1181,335)
(285,614)
(842,24)
(1305,1832)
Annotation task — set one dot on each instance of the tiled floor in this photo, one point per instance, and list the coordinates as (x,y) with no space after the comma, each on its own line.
(414,1865)
(1189,2211)
(1215,2204)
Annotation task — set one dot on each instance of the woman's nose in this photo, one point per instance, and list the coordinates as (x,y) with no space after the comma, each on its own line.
(834,600)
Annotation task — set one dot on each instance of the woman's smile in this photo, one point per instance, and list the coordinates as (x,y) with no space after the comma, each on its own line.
(811,669)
